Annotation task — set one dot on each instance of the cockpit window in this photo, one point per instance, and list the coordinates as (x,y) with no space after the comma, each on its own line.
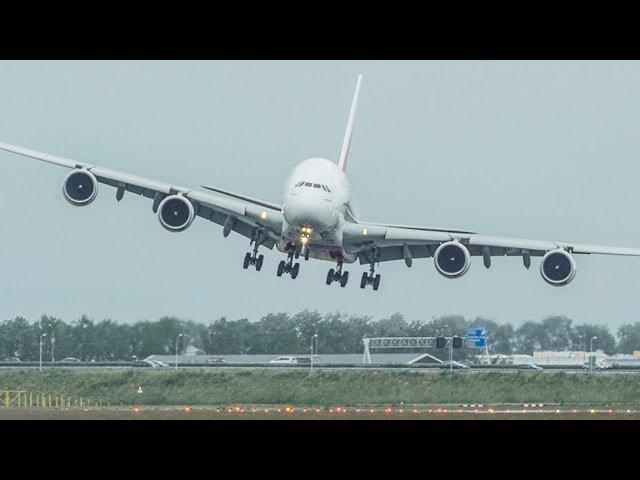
(313,185)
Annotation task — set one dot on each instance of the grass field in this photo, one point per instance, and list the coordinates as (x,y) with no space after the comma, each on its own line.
(257,386)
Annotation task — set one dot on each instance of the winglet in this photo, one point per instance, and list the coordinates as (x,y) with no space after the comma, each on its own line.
(346,142)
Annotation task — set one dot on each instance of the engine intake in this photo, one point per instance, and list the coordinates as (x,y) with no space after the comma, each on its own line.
(558,267)
(452,259)
(176,213)
(80,187)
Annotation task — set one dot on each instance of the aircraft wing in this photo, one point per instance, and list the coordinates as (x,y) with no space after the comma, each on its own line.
(240,214)
(387,242)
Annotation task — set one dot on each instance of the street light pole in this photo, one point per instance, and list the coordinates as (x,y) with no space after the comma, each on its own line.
(40,364)
(177,338)
(53,342)
(316,336)
(450,349)
(311,355)
(591,354)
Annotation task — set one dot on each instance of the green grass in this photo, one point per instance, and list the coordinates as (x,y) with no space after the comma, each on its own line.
(255,386)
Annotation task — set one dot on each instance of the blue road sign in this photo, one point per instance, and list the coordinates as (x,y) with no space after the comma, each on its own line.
(477,337)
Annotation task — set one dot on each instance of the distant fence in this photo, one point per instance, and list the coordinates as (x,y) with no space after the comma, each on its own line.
(24,398)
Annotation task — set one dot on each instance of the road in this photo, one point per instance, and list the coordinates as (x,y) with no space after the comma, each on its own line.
(399,368)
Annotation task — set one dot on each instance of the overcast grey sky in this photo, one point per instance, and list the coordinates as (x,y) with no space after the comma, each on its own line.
(544,150)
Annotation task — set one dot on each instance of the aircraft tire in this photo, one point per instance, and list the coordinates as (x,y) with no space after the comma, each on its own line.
(330,276)
(281,266)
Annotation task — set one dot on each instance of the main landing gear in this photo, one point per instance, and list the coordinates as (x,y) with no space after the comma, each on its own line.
(254,259)
(338,275)
(370,278)
(289,266)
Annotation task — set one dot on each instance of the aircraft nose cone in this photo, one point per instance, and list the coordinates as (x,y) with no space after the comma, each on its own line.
(312,214)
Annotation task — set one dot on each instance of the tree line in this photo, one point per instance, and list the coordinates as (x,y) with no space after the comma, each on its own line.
(282,333)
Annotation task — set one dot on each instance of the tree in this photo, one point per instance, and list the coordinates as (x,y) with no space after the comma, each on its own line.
(529,338)
(629,338)
(281,333)
(605,340)
(19,338)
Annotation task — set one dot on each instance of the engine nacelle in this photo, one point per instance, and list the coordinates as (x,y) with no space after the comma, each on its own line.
(176,213)
(80,187)
(558,267)
(452,259)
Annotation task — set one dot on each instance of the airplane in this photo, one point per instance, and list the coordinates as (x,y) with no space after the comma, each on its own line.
(316,220)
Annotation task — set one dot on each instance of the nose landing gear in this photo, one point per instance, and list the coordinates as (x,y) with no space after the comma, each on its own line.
(252,258)
(338,275)
(289,266)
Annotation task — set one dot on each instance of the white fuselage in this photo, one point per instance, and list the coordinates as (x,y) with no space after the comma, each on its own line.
(316,205)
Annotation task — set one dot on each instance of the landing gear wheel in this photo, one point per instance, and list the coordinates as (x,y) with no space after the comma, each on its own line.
(259,261)
(330,276)
(363,280)
(306,254)
(376,282)
(281,267)
(295,270)
(247,261)
(344,278)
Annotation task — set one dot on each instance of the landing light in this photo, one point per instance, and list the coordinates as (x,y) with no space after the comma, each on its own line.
(263,215)
(304,240)
(364,231)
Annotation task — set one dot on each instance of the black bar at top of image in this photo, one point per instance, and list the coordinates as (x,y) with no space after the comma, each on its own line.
(391,50)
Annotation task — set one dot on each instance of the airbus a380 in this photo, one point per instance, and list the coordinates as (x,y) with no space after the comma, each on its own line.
(316,221)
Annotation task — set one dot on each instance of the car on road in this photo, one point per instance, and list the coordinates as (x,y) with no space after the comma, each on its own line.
(12,359)
(214,360)
(70,360)
(289,360)
(599,365)
(530,366)
(160,363)
(453,364)
(603,365)
(146,364)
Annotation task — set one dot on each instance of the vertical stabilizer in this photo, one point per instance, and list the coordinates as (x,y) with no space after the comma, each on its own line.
(346,143)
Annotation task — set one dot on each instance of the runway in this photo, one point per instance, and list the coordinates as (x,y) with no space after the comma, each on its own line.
(442,412)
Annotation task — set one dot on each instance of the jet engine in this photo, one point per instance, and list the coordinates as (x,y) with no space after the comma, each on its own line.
(558,267)
(80,187)
(176,213)
(452,259)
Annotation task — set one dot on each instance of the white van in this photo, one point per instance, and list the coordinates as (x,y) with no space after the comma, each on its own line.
(283,360)
(286,360)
